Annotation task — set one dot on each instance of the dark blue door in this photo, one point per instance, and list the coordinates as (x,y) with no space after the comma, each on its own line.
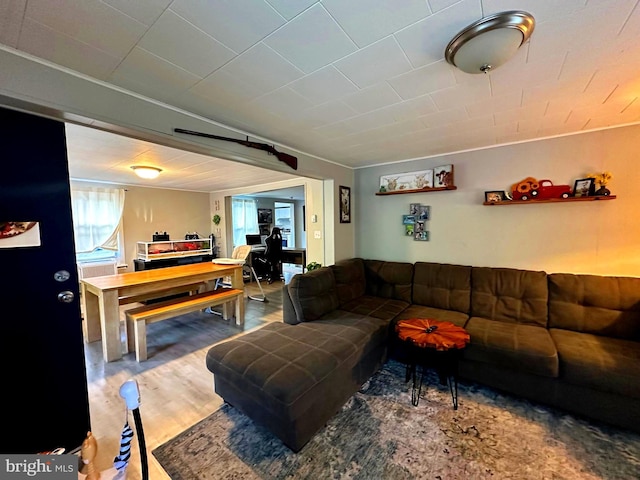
(44,377)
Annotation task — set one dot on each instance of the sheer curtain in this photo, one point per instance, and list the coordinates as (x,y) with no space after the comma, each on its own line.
(245,219)
(97,215)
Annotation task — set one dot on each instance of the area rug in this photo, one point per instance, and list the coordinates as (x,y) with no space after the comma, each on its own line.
(379,435)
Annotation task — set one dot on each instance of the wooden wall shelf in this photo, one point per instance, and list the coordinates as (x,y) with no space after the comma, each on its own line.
(418,190)
(552,200)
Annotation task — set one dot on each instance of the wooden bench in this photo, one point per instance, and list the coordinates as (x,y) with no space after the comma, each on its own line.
(137,318)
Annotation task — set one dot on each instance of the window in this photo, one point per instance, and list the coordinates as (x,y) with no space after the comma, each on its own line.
(244,212)
(97,223)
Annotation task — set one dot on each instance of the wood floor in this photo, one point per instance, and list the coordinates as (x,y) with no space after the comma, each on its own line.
(176,389)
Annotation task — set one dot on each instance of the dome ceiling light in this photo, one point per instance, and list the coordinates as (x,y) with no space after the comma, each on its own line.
(491,41)
(147,172)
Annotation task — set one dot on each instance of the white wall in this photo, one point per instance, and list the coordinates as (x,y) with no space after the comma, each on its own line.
(579,237)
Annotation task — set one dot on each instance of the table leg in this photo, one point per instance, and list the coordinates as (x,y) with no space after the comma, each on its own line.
(91,310)
(415,391)
(110,326)
(238,282)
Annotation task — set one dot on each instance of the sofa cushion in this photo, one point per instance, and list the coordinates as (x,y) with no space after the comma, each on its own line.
(419,311)
(376,307)
(509,295)
(608,306)
(350,279)
(313,294)
(389,279)
(442,286)
(528,348)
(605,364)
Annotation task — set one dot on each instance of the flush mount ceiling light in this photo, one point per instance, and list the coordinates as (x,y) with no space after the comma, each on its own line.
(145,171)
(491,41)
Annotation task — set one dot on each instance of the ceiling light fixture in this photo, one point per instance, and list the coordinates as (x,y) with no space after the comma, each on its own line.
(491,41)
(145,171)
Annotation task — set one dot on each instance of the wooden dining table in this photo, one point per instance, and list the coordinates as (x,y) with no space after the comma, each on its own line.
(102,296)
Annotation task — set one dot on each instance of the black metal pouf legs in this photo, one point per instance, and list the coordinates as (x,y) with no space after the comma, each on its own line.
(416,389)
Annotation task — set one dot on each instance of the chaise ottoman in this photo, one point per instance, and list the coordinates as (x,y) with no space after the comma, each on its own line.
(292,379)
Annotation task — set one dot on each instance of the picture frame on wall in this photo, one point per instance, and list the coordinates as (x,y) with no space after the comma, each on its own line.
(414,208)
(494,196)
(408,219)
(419,180)
(265,215)
(408,229)
(421,236)
(424,212)
(584,187)
(345,204)
(443,176)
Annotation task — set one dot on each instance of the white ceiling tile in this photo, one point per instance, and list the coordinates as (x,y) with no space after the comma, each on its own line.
(494,104)
(437,5)
(311,40)
(375,63)
(44,42)
(445,118)
(372,98)
(263,68)
(222,86)
(416,107)
(462,94)
(89,21)
(282,101)
(330,112)
(145,12)
(11,13)
(238,24)
(290,8)
(366,21)
(141,65)
(323,85)
(183,44)
(423,80)
(425,42)
(541,10)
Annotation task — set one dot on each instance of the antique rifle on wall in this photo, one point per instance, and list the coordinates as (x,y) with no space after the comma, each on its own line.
(283,157)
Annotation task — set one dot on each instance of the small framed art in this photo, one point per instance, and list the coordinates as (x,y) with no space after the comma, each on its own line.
(421,236)
(408,219)
(584,187)
(494,196)
(443,176)
(345,204)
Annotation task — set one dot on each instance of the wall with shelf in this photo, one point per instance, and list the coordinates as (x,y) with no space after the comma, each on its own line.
(552,200)
(577,236)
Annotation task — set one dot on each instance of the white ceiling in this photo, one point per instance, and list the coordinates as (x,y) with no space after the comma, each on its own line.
(358,82)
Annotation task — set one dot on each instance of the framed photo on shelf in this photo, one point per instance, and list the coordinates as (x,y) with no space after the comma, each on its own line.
(584,187)
(345,204)
(407,181)
(495,196)
(443,176)
(408,219)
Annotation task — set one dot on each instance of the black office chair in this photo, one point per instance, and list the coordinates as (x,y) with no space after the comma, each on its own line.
(273,255)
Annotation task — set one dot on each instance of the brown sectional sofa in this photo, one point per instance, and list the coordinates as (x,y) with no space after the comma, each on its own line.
(570,341)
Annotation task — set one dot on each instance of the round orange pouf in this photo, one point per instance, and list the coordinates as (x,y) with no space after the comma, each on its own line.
(429,333)
(434,342)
